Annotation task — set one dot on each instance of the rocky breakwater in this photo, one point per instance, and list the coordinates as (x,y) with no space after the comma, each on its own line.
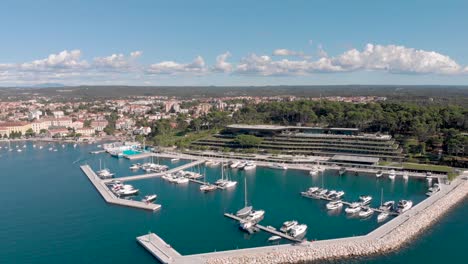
(400,232)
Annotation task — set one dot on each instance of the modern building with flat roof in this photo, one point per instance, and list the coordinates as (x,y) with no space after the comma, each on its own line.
(298,140)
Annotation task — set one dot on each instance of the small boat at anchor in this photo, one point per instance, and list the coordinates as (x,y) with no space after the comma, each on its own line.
(149,198)
(274,238)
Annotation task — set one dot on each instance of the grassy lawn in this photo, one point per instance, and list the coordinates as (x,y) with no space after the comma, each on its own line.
(416,166)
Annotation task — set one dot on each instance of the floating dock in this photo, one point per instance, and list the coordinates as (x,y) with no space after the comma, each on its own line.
(158,248)
(157,174)
(110,197)
(274,232)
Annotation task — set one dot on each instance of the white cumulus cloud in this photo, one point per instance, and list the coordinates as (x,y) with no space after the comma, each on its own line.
(221,64)
(286,52)
(170,67)
(117,61)
(65,60)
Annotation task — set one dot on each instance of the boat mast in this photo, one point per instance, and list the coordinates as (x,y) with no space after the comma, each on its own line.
(381,196)
(245,191)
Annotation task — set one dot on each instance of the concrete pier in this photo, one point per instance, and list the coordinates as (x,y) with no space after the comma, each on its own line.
(110,197)
(159,249)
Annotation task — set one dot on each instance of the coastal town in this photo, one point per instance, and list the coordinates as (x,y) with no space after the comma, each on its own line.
(91,121)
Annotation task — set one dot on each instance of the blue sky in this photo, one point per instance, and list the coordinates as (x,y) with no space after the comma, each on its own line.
(233,42)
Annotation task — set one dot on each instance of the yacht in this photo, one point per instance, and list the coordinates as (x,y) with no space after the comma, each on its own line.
(278,166)
(175,160)
(338,195)
(19,150)
(330,194)
(379,174)
(241,165)
(135,167)
(207,187)
(365,199)
(288,225)
(126,190)
(387,206)
(333,205)
(433,189)
(212,163)
(404,205)
(149,198)
(244,212)
(255,216)
(366,212)
(314,170)
(382,216)
(405,175)
(40,147)
(228,184)
(429,179)
(342,171)
(250,166)
(391,174)
(298,230)
(353,208)
(105,173)
(180,180)
(247,226)
(234,164)
(274,238)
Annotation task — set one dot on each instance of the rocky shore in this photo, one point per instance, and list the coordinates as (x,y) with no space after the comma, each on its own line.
(370,244)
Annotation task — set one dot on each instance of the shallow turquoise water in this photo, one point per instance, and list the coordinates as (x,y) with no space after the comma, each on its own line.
(52,214)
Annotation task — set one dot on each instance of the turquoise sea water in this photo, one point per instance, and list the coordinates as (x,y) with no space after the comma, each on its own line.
(52,214)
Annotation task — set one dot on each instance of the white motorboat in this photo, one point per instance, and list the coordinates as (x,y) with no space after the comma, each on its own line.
(19,150)
(365,212)
(365,199)
(288,225)
(255,216)
(180,180)
(405,175)
(387,206)
(246,225)
(339,194)
(391,174)
(353,208)
(134,167)
(333,205)
(149,198)
(298,230)
(404,205)
(241,165)
(433,189)
(234,164)
(314,170)
(322,192)
(342,171)
(382,216)
(228,184)
(274,238)
(250,166)
(278,166)
(174,160)
(207,188)
(330,194)
(105,173)
(212,163)
(379,174)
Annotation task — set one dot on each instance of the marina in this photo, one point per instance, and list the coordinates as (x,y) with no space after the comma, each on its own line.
(207,210)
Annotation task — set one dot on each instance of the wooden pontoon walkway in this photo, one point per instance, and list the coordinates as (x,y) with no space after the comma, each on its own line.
(274,232)
(109,196)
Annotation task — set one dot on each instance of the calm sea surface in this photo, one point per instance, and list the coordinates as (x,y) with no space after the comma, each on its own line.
(52,214)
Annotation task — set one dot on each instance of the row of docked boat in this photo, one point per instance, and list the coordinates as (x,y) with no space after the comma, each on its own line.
(175,178)
(120,189)
(321,193)
(149,167)
(242,165)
